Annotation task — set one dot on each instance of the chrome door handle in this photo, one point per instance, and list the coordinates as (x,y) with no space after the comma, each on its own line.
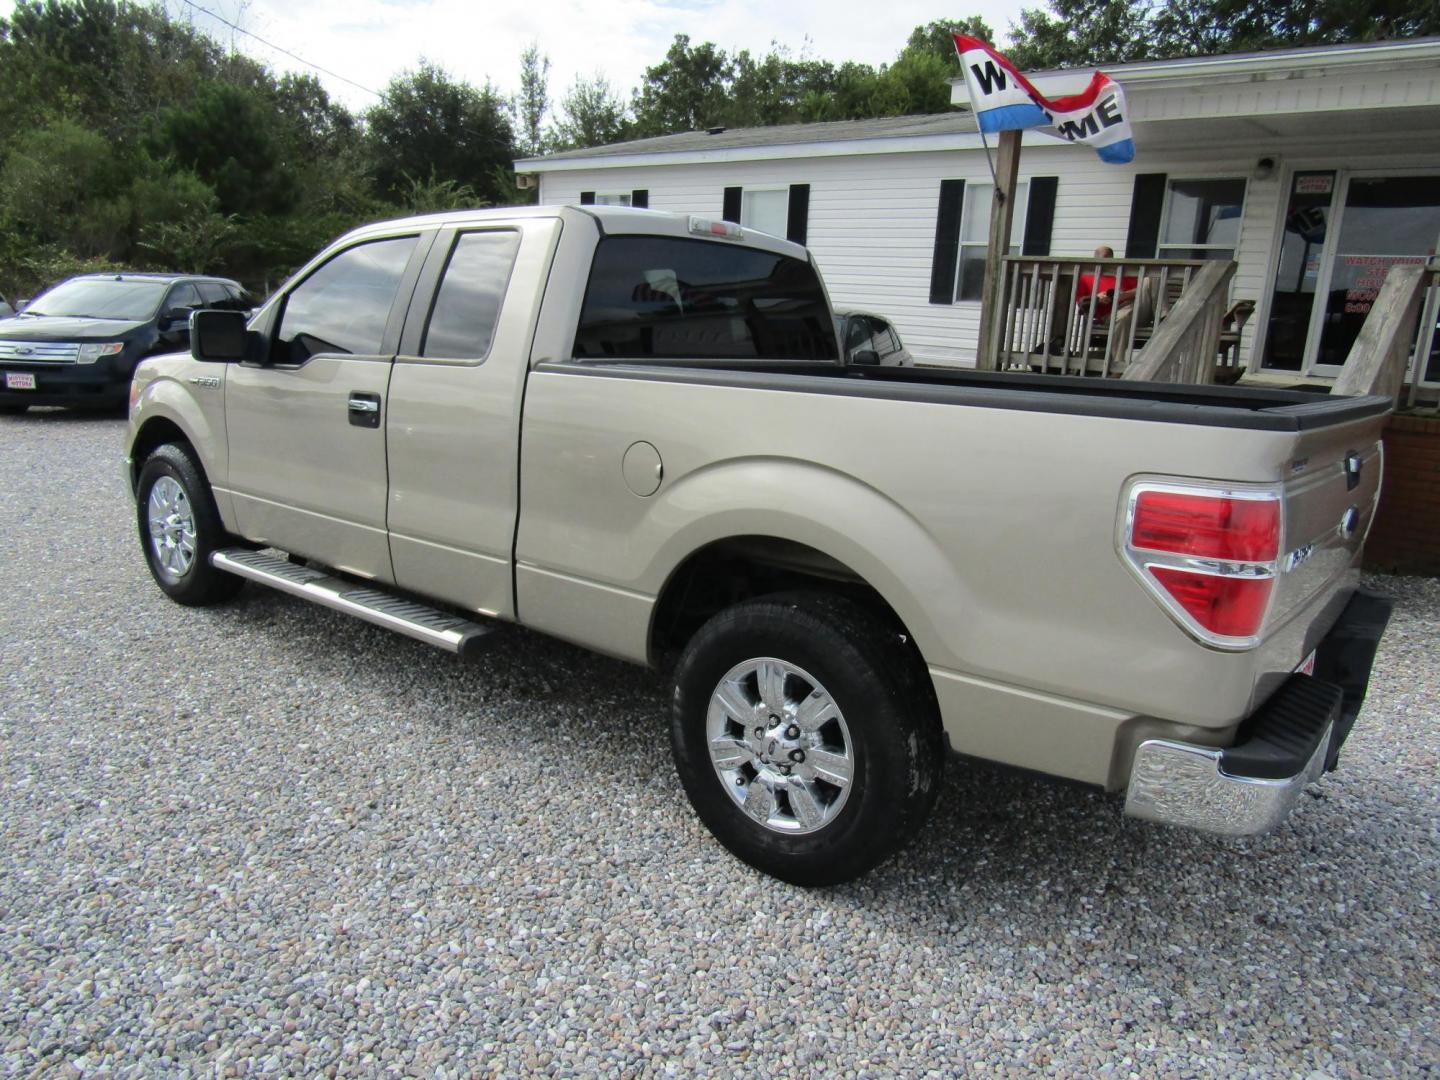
(365,410)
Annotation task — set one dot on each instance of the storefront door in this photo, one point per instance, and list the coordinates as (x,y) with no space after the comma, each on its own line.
(1342,235)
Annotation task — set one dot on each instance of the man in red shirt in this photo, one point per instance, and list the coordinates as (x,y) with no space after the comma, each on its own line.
(1135,297)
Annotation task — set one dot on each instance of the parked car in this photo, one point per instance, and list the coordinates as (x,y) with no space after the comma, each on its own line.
(635,431)
(870,339)
(78,342)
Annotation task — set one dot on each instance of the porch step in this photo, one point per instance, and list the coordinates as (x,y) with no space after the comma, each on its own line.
(452,633)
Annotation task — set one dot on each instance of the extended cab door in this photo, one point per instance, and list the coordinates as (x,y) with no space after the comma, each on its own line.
(306,431)
(454,411)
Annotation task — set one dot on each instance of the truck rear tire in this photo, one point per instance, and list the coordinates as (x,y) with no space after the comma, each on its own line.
(805,737)
(180,527)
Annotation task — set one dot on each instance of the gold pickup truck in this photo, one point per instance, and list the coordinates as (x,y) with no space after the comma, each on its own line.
(636,431)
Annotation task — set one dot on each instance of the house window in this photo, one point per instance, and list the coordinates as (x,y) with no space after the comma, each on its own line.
(975,235)
(1202,219)
(766,210)
(638,197)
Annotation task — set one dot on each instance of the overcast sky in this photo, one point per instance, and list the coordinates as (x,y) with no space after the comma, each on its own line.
(368,41)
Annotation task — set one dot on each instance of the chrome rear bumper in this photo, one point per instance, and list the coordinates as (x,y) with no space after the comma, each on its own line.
(1180,784)
(1249,788)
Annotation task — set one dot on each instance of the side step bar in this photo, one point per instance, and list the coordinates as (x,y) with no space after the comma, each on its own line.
(449,632)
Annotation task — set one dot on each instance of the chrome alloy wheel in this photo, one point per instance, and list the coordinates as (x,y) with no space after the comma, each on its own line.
(172,528)
(780,745)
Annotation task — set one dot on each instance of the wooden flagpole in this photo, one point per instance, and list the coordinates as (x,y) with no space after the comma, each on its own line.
(1002,213)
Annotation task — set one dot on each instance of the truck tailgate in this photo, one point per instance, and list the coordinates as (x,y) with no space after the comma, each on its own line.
(1330,498)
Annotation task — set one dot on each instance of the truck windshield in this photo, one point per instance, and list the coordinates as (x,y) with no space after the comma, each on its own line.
(95,298)
(679,299)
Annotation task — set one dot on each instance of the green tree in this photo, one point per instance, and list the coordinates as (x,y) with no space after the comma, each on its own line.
(111,65)
(1081,32)
(591,114)
(51,174)
(1220,26)
(1085,32)
(533,101)
(229,139)
(428,123)
(687,91)
(309,121)
(776,88)
(936,37)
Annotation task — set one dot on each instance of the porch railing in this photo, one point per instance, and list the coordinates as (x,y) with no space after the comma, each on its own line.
(1050,316)
(1388,341)
(1185,344)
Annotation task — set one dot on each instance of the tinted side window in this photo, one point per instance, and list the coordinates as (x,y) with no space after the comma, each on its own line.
(467,305)
(671,298)
(184,296)
(343,306)
(857,334)
(214,294)
(883,339)
(237,299)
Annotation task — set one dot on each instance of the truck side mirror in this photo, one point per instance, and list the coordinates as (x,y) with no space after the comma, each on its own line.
(867,357)
(219,337)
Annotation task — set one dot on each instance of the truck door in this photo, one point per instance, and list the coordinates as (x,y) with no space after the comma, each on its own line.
(453,428)
(307,431)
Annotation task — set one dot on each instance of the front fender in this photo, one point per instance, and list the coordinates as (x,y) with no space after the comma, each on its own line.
(176,389)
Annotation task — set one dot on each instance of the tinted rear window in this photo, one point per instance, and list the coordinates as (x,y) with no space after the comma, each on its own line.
(467,306)
(670,298)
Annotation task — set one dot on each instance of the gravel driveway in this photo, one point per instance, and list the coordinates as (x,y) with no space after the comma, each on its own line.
(266,838)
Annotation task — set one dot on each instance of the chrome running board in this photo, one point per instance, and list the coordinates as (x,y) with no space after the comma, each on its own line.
(452,633)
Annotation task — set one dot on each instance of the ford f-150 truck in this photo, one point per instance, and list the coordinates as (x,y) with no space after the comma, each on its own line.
(636,431)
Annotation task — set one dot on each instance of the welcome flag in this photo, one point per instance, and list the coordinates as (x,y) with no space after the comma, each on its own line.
(1004,100)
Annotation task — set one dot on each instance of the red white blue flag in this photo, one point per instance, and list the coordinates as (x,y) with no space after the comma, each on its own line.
(1004,100)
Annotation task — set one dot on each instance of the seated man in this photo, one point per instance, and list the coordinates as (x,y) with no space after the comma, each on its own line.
(1135,297)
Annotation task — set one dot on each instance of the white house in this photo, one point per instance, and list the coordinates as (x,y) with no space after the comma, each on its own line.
(1315,169)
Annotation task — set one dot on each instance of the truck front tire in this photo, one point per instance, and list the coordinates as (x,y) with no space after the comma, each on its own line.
(804,737)
(180,528)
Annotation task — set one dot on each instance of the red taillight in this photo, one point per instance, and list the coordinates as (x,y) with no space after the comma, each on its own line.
(1211,557)
(1232,607)
(1207,526)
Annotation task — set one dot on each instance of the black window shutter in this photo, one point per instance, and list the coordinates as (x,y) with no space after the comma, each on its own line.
(587,198)
(1145,205)
(797,222)
(732,205)
(1040,215)
(640,197)
(947,242)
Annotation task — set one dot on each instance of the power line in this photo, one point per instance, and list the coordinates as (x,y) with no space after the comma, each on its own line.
(277,48)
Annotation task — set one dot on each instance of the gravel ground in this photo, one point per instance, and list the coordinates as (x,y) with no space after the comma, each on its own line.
(265,838)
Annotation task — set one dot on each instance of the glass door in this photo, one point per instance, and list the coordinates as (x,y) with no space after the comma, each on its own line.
(1298,271)
(1383,221)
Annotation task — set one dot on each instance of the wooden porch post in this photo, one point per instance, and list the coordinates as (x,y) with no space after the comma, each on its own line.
(1002,212)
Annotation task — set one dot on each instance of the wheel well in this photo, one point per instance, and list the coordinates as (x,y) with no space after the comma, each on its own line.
(741,568)
(155,433)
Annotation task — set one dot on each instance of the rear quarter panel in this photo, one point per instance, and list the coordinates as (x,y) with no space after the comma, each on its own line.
(990,531)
